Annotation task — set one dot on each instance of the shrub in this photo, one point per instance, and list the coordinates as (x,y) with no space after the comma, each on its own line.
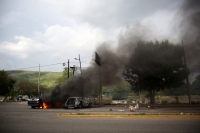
(176,98)
(164,102)
(174,102)
(130,101)
(197,102)
(107,100)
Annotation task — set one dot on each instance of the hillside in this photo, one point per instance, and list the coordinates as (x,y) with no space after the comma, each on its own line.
(46,78)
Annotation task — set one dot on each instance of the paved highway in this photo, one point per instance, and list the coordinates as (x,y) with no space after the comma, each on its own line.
(17,117)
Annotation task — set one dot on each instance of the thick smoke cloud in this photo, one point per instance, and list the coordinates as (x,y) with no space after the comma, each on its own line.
(112,63)
(190,32)
(113,58)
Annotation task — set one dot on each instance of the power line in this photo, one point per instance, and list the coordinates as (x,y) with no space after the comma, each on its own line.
(41,66)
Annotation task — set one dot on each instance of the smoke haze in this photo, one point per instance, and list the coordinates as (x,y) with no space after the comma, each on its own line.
(113,58)
(190,32)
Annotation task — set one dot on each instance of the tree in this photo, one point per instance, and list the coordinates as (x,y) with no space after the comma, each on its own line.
(64,77)
(25,87)
(6,83)
(196,86)
(119,91)
(155,66)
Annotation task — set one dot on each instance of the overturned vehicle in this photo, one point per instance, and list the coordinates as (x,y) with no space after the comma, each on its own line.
(78,102)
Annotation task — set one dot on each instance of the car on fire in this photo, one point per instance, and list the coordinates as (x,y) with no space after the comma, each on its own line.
(35,102)
(78,102)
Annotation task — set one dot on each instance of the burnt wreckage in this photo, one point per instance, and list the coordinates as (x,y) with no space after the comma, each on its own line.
(78,102)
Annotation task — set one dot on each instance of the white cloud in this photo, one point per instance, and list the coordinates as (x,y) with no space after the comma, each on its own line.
(58,43)
(54,31)
(109,14)
(64,38)
(23,48)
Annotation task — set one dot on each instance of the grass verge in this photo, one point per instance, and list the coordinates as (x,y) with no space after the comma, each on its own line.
(129,115)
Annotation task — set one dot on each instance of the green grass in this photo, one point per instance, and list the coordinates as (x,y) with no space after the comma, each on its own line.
(47,79)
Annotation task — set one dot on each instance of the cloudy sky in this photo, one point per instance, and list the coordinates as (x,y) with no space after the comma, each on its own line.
(49,32)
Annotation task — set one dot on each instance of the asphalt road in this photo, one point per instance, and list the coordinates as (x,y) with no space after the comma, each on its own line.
(17,117)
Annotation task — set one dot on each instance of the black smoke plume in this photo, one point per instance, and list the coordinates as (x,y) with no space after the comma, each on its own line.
(113,59)
(112,62)
(190,32)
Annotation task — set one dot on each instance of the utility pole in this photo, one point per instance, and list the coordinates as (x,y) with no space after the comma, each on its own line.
(187,79)
(74,70)
(68,68)
(81,73)
(100,94)
(39,82)
(30,84)
(97,60)
(139,89)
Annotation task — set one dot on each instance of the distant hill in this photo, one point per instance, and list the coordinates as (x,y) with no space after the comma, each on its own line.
(46,78)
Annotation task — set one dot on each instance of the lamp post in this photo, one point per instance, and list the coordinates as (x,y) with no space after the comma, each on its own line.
(138,86)
(81,72)
(139,89)
(30,84)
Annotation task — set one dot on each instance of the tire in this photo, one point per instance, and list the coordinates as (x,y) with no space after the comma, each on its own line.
(79,106)
(32,107)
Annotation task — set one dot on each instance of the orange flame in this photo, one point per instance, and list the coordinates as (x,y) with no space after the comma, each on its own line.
(45,105)
(58,104)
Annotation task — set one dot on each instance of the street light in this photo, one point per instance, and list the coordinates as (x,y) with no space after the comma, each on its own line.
(139,89)
(138,85)
(81,72)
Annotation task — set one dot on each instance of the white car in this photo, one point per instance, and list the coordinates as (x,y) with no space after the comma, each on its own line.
(25,98)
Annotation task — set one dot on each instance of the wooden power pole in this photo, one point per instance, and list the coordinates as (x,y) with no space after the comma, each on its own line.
(187,79)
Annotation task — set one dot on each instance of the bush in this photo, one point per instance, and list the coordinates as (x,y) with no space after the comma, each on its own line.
(197,102)
(164,102)
(104,100)
(177,99)
(129,101)
(174,102)
(107,100)
(193,102)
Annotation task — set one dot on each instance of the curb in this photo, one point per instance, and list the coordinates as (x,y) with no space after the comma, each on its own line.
(141,115)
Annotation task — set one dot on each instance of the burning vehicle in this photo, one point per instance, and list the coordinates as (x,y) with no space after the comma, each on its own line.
(78,102)
(35,102)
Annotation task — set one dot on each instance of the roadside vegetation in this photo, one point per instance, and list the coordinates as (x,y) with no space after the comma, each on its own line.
(47,79)
(26,83)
